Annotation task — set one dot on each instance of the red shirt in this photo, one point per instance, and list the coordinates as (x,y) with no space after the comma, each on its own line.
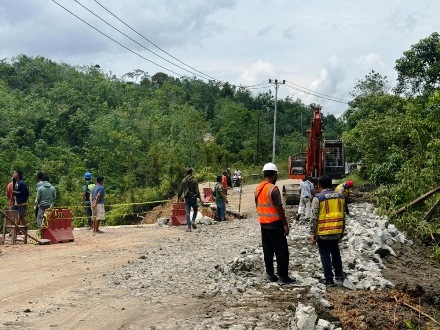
(224,183)
(9,193)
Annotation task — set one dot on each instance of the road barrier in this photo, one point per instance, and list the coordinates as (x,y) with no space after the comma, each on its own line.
(208,196)
(178,217)
(57,226)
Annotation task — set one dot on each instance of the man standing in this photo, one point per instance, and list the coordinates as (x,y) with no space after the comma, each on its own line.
(225,182)
(220,200)
(274,227)
(10,194)
(20,195)
(46,195)
(305,190)
(97,200)
(327,228)
(38,185)
(189,189)
(87,188)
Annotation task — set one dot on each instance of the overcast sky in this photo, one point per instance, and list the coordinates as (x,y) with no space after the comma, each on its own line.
(321,45)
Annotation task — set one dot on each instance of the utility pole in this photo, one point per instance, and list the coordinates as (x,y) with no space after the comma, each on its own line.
(277,84)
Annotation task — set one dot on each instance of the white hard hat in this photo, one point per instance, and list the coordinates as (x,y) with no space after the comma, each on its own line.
(270,167)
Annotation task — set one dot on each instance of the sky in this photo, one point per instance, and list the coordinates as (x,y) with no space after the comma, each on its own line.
(323,46)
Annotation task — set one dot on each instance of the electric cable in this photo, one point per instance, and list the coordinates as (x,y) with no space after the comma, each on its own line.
(323,96)
(310,90)
(142,36)
(132,51)
(180,67)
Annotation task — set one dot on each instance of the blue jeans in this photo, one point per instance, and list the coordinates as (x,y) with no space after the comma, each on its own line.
(330,257)
(191,202)
(220,212)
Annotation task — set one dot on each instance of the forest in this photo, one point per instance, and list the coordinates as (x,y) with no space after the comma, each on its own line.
(140,132)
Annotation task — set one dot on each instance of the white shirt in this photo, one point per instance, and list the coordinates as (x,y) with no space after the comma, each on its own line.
(306,189)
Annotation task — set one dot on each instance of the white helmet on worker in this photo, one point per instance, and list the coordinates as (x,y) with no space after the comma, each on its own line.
(270,167)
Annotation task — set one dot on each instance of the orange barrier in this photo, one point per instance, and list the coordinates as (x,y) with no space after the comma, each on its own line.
(58,227)
(178,217)
(208,196)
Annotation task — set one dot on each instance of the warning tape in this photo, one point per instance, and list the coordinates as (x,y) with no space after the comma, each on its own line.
(113,205)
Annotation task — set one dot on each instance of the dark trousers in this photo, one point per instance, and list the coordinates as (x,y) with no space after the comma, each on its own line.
(330,257)
(274,242)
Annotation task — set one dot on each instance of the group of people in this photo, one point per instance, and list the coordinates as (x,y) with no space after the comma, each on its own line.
(17,193)
(327,225)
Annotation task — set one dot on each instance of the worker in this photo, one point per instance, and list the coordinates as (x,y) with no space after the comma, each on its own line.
(97,200)
(274,226)
(344,190)
(305,190)
(327,228)
(225,184)
(20,195)
(220,200)
(38,185)
(189,189)
(46,195)
(86,189)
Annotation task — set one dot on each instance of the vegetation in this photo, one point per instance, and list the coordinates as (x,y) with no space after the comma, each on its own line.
(396,134)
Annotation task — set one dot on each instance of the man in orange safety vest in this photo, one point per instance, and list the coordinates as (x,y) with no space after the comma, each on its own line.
(274,226)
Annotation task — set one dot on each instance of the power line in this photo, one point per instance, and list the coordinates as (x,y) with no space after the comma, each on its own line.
(138,42)
(142,36)
(132,51)
(317,95)
(312,92)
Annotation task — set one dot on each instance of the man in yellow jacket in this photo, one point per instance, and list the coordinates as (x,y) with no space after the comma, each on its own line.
(327,228)
(274,226)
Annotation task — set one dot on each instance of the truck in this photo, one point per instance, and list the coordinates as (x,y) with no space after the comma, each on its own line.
(322,157)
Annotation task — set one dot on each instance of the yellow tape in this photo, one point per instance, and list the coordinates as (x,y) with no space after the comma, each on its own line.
(113,205)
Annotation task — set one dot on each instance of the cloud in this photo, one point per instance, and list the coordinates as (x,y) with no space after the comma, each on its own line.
(258,72)
(371,61)
(401,22)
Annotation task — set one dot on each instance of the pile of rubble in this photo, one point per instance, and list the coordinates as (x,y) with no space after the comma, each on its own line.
(209,267)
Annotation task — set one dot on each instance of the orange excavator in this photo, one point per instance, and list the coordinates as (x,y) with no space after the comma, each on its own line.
(322,157)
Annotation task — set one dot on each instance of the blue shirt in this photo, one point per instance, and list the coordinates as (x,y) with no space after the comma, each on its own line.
(98,189)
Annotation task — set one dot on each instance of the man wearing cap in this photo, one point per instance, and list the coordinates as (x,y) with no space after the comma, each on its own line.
(274,226)
(189,189)
(86,189)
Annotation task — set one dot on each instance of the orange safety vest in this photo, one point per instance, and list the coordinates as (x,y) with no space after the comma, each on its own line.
(331,213)
(267,211)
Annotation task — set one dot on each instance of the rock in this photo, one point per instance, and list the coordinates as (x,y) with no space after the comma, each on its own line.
(323,325)
(163,221)
(305,318)
(206,220)
(325,303)
(348,284)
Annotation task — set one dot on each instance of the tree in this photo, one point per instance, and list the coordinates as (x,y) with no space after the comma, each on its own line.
(373,83)
(418,69)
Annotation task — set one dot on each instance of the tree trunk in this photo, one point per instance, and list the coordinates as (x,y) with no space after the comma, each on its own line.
(418,200)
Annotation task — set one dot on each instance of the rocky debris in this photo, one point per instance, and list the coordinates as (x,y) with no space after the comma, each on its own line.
(224,263)
(164,221)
